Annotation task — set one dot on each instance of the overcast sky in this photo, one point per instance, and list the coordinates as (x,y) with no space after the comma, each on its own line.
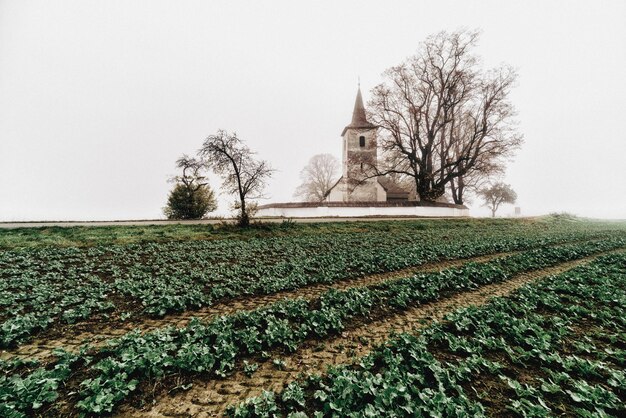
(99,98)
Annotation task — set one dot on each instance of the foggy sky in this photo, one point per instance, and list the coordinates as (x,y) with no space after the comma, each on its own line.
(99,98)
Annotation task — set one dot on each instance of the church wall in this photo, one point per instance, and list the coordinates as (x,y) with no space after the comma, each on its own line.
(357,159)
(381,194)
(337,194)
(365,192)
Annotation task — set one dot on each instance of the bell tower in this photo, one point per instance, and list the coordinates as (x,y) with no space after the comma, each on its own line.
(359,156)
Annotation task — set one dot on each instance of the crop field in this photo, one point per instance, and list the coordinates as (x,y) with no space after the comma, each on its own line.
(448,318)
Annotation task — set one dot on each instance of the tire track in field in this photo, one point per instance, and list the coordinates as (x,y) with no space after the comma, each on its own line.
(42,347)
(211,398)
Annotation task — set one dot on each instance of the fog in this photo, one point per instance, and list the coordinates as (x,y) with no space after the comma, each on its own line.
(99,98)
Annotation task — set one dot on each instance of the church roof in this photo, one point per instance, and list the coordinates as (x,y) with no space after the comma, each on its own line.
(334,185)
(359,120)
(392,188)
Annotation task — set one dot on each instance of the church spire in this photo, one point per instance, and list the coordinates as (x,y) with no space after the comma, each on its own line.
(359,119)
(358,115)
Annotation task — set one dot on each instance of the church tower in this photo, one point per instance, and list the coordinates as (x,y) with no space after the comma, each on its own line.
(359,156)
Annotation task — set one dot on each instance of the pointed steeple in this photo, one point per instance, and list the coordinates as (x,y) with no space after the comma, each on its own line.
(359,119)
(358,114)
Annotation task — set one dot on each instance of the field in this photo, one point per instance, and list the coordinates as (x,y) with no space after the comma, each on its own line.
(391,318)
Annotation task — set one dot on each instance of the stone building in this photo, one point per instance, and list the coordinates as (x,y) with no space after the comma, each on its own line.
(359,156)
(358,193)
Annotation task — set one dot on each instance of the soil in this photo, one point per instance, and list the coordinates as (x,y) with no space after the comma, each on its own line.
(210,397)
(100,329)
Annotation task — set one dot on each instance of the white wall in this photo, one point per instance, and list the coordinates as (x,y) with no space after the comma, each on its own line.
(355,211)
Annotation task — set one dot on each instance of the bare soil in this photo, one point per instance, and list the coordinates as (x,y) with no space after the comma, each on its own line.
(98,330)
(210,397)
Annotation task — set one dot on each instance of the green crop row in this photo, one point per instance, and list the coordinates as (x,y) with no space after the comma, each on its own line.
(25,387)
(213,347)
(42,287)
(552,348)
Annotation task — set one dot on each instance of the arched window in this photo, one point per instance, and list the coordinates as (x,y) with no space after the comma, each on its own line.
(362,141)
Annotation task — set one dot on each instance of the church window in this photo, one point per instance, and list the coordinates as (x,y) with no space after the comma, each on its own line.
(362,141)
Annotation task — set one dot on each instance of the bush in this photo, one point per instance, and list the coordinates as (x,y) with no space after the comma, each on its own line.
(563,216)
(188,203)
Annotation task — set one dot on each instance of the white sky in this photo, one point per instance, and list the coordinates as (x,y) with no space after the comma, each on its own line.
(99,98)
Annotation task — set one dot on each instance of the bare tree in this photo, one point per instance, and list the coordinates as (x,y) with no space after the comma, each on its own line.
(193,173)
(496,194)
(318,177)
(242,175)
(441,117)
(483,173)
(191,197)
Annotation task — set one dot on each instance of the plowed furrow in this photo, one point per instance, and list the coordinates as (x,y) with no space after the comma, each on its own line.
(97,335)
(210,398)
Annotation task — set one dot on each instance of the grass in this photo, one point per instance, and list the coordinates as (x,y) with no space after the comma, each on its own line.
(86,236)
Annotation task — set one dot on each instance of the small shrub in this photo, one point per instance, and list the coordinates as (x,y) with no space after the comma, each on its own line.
(189,203)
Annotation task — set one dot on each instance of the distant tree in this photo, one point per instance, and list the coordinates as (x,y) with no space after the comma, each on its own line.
(441,116)
(496,194)
(318,177)
(191,197)
(242,175)
(463,187)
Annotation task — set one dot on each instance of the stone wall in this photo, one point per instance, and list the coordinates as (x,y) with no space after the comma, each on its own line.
(347,211)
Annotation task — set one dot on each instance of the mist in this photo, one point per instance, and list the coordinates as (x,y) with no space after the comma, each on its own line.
(99,99)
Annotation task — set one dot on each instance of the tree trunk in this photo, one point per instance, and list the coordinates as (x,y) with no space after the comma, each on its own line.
(426,191)
(460,191)
(493,213)
(457,190)
(244,219)
(453,191)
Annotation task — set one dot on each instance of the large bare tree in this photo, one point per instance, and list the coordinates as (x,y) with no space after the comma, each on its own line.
(318,177)
(487,168)
(241,173)
(443,119)
(473,180)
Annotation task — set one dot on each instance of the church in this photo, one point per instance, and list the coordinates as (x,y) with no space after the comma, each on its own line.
(358,182)
(359,192)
